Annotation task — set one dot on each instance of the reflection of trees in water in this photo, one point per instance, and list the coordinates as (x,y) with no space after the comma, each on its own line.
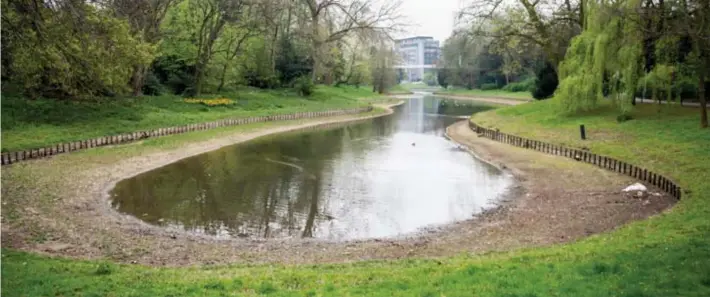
(235,190)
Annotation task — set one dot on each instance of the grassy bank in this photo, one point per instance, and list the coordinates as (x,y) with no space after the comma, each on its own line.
(35,123)
(487,93)
(668,255)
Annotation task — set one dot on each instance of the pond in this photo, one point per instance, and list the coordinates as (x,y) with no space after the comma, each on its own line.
(375,178)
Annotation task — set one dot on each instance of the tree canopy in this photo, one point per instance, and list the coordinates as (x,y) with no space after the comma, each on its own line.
(82,49)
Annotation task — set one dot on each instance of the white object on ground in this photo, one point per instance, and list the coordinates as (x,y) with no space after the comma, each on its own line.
(635,187)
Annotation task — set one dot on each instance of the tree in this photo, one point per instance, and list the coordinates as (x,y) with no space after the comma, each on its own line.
(383,74)
(232,44)
(548,25)
(145,18)
(68,49)
(291,61)
(627,44)
(443,76)
(332,20)
(212,16)
(429,79)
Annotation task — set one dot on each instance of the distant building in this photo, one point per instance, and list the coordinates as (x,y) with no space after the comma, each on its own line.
(418,55)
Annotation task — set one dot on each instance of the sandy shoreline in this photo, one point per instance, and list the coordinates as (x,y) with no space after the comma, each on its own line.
(59,206)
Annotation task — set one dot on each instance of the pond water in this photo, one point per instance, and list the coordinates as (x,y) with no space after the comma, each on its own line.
(376,178)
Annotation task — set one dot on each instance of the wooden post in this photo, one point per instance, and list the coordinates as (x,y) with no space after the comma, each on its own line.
(582,133)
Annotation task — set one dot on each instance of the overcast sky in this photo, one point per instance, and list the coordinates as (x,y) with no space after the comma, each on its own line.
(430,17)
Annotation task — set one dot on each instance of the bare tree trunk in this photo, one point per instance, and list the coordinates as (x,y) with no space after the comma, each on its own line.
(221,77)
(205,54)
(703,99)
(138,80)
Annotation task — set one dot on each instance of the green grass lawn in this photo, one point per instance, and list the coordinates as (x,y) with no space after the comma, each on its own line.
(666,255)
(35,123)
(487,93)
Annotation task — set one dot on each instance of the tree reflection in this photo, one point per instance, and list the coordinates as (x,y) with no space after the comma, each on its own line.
(270,187)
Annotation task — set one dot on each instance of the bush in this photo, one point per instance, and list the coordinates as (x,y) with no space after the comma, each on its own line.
(173,73)
(490,86)
(527,85)
(261,80)
(152,85)
(546,83)
(303,85)
(291,63)
(429,79)
(443,75)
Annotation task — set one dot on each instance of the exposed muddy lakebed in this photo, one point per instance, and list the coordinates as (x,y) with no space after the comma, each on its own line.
(370,179)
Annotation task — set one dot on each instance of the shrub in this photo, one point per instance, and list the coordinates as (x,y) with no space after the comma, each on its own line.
(261,80)
(546,83)
(152,85)
(303,85)
(173,73)
(526,85)
(490,86)
(443,77)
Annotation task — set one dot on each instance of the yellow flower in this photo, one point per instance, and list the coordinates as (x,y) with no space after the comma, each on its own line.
(210,102)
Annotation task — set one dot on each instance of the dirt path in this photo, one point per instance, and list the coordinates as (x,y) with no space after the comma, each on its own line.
(59,206)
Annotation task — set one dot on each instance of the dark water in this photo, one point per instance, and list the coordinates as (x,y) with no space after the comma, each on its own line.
(375,178)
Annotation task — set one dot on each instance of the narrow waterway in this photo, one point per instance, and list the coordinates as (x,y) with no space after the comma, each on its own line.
(383,177)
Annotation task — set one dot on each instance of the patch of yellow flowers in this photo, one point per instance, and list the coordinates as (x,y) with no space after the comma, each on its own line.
(210,102)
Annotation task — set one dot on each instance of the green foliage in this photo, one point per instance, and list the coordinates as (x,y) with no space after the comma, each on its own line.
(152,85)
(527,85)
(291,62)
(173,73)
(489,86)
(53,53)
(383,74)
(605,60)
(258,72)
(429,79)
(545,83)
(304,85)
(443,77)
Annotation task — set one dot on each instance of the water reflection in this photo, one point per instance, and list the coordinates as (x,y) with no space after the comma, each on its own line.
(377,178)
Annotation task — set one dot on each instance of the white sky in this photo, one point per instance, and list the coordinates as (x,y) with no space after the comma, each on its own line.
(430,18)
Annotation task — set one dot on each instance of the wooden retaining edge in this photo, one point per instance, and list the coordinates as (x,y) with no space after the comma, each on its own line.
(609,163)
(18,156)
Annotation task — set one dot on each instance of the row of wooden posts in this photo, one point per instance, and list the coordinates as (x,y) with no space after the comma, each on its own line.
(17,156)
(605,162)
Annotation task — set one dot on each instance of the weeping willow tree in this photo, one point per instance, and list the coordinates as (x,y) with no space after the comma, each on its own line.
(638,47)
(605,60)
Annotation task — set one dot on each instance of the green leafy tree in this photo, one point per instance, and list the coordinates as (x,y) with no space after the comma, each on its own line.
(72,51)
(443,76)
(291,62)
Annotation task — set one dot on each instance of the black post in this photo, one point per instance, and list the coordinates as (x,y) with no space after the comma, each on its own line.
(582,133)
